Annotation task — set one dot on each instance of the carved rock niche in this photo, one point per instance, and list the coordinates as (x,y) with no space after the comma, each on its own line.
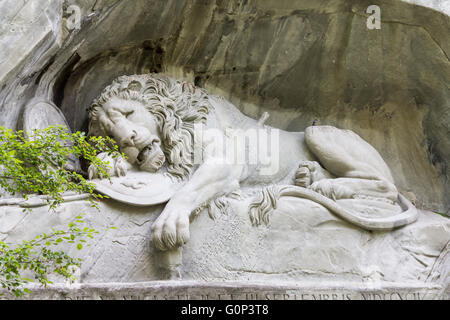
(295,61)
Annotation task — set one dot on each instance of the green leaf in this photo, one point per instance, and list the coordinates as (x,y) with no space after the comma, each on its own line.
(79,246)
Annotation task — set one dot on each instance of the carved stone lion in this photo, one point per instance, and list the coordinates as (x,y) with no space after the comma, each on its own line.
(153,118)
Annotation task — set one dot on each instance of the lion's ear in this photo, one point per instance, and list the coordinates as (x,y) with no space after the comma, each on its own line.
(134,86)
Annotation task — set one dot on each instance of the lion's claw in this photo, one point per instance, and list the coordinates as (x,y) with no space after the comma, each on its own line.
(304,175)
(170,231)
(116,166)
(121,167)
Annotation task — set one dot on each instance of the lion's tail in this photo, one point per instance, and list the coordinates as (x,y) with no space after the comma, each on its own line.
(259,210)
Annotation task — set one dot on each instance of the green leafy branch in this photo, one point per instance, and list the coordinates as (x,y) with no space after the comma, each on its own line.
(38,257)
(38,163)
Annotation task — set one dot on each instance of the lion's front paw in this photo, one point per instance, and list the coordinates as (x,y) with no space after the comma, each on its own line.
(116,166)
(170,230)
(121,166)
(304,176)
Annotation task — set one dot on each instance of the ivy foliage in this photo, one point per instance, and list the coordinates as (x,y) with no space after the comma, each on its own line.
(38,164)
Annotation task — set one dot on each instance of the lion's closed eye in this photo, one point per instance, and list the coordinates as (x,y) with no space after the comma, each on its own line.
(129,113)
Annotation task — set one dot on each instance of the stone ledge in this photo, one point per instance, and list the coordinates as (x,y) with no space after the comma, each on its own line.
(238,290)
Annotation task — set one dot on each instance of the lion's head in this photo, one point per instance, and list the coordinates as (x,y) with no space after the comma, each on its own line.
(152,119)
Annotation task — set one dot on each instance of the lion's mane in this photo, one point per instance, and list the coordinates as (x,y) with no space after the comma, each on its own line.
(177,105)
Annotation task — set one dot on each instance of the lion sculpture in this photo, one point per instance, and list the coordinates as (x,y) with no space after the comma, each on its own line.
(153,119)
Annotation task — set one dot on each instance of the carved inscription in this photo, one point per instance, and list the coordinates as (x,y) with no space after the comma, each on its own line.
(394,295)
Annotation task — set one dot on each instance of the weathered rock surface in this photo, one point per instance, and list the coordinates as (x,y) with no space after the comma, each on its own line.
(310,245)
(301,243)
(439,5)
(235,290)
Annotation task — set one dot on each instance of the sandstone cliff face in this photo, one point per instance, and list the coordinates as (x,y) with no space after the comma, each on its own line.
(298,60)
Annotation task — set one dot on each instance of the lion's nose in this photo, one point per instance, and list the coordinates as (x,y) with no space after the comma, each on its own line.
(154,142)
(128,141)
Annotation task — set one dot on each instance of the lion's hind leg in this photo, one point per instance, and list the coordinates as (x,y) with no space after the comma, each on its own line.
(351,188)
(359,169)
(345,154)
